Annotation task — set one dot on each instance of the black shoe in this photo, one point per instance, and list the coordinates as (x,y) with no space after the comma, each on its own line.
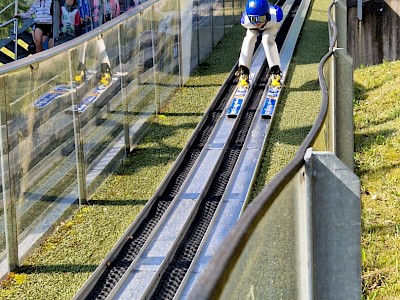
(105,74)
(80,75)
(275,74)
(275,70)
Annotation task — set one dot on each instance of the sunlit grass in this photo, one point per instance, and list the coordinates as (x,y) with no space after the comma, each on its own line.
(377,162)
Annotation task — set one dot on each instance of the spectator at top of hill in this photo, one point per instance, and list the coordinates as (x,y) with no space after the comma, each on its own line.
(43,22)
(105,10)
(70,18)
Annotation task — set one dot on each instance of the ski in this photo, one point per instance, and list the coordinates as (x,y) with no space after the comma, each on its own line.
(268,108)
(93,95)
(271,100)
(237,100)
(60,90)
(53,94)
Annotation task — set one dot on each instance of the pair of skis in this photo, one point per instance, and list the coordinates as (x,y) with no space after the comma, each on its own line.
(59,91)
(270,101)
(92,96)
(64,89)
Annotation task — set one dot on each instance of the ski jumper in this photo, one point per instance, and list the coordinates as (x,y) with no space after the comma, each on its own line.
(268,32)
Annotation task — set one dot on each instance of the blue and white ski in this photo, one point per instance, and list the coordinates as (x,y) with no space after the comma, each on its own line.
(270,102)
(56,92)
(92,96)
(237,101)
(268,108)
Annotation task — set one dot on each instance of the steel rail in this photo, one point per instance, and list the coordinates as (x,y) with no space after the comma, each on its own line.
(140,275)
(244,175)
(182,210)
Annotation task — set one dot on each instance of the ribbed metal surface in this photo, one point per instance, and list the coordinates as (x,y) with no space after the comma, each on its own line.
(172,277)
(129,251)
(174,274)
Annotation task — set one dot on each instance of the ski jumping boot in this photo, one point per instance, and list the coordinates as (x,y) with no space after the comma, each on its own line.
(80,75)
(243,73)
(105,79)
(275,75)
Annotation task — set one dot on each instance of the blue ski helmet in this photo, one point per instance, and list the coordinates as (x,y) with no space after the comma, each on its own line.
(257,8)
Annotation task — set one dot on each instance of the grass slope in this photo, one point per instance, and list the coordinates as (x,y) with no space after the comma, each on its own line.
(377,162)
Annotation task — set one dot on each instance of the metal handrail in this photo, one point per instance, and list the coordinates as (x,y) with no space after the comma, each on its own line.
(6,7)
(15,21)
(7,22)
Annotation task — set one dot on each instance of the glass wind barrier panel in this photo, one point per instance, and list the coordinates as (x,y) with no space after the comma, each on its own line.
(141,90)
(268,267)
(38,129)
(190,37)
(137,79)
(218,21)
(229,13)
(98,111)
(166,26)
(204,25)
(5,184)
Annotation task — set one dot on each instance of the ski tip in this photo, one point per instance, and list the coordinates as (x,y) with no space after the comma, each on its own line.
(231,115)
(264,116)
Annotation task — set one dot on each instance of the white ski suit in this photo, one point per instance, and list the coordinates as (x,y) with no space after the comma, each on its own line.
(268,32)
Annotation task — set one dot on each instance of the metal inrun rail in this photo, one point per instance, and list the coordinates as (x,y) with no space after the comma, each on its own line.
(109,277)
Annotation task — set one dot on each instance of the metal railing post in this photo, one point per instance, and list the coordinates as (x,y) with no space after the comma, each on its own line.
(80,155)
(341,23)
(336,215)
(306,276)
(123,94)
(9,197)
(16,29)
(343,114)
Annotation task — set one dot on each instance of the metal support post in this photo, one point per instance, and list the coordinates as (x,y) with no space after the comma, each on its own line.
(341,23)
(9,197)
(80,156)
(336,215)
(343,114)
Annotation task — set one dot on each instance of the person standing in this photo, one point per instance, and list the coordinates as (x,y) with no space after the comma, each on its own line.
(70,18)
(43,22)
(260,18)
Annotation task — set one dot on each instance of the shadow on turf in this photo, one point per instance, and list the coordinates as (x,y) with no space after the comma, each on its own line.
(68,268)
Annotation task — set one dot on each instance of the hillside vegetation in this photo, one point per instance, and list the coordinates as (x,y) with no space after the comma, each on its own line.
(377,161)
